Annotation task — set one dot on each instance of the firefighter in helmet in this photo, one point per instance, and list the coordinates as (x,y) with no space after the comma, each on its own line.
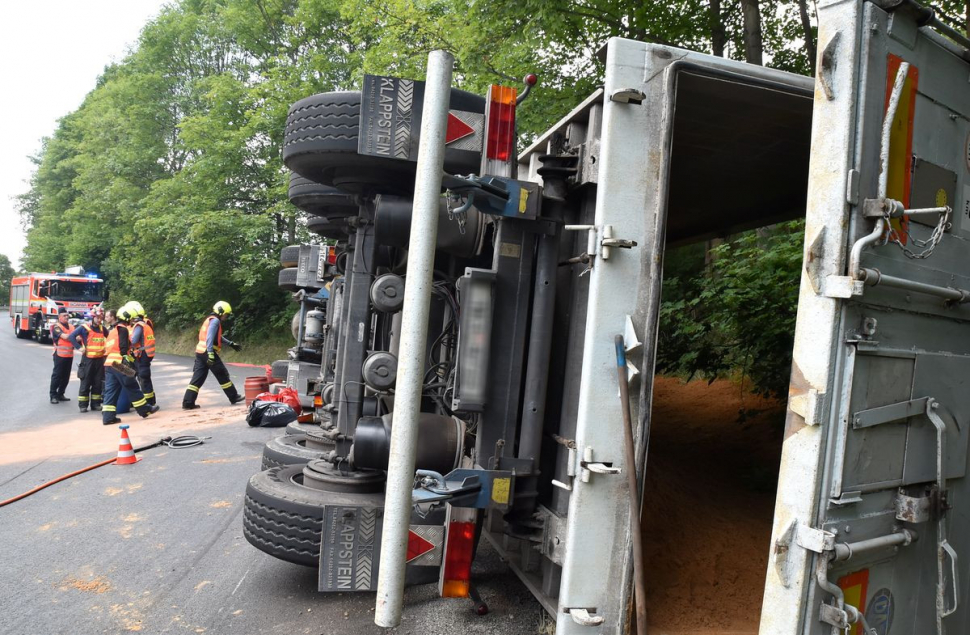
(143,348)
(63,356)
(120,372)
(90,338)
(207,357)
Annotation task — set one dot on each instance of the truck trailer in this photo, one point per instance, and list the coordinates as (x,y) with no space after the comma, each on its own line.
(546,280)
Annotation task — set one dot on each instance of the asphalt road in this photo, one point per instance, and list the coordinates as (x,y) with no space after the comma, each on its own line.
(157,547)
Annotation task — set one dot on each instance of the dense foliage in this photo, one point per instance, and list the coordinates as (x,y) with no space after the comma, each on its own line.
(733,308)
(167,179)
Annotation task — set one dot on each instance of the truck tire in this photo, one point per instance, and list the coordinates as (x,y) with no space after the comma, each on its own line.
(279,369)
(317,199)
(290,256)
(320,144)
(287,279)
(301,428)
(23,334)
(284,518)
(328,228)
(295,326)
(289,449)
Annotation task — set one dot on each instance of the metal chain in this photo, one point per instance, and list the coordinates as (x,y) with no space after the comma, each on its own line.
(927,245)
(452,215)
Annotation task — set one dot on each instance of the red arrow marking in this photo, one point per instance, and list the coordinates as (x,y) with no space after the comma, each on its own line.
(417,546)
(457,129)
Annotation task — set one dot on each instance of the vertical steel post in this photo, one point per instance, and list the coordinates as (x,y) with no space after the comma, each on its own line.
(414,336)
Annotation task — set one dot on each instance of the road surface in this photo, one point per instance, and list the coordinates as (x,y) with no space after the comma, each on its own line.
(157,547)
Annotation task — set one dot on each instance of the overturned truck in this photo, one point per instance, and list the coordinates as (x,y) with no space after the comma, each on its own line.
(543,259)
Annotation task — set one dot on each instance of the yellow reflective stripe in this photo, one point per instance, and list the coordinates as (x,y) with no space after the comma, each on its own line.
(139,403)
(82,398)
(226,385)
(149,395)
(94,396)
(193,388)
(108,408)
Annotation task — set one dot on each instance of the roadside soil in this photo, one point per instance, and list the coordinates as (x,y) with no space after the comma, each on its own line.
(708,506)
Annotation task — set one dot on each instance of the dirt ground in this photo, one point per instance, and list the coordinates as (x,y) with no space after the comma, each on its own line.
(708,506)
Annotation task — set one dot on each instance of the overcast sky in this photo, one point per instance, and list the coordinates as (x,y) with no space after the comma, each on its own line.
(51,53)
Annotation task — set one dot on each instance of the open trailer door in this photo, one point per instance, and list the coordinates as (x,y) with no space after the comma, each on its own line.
(871,520)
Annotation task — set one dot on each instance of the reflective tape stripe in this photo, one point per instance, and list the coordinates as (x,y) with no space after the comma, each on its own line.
(192,388)
(149,395)
(124,454)
(225,385)
(82,398)
(95,397)
(139,403)
(107,408)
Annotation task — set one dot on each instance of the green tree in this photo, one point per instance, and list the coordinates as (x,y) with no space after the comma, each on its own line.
(6,274)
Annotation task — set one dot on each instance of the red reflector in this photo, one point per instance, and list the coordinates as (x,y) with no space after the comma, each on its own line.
(417,546)
(500,137)
(459,552)
(331,255)
(457,129)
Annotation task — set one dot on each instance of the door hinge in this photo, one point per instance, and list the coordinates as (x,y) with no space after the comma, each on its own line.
(816,540)
(585,617)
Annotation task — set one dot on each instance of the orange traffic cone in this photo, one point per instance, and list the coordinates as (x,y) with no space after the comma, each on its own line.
(126,454)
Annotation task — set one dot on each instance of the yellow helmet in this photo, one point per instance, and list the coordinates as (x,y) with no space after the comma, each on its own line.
(221,308)
(125,313)
(136,308)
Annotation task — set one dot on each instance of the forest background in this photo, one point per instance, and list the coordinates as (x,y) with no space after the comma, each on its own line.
(168,178)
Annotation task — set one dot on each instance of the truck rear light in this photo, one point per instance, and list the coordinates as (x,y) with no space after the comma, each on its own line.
(456,571)
(499,131)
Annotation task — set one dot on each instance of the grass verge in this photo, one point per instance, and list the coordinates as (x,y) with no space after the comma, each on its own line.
(263,351)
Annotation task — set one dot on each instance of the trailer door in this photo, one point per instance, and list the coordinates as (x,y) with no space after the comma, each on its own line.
(871,522)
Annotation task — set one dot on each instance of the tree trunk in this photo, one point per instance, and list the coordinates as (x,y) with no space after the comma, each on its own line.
(717,28)
(752,32)
(809,36)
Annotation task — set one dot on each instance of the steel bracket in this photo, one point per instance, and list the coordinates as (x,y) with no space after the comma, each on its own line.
(584,617)
(601,241)
(834,616)
(587,466)
(816,540)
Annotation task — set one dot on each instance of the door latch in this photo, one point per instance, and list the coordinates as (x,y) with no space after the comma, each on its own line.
(583,617)
(587,466)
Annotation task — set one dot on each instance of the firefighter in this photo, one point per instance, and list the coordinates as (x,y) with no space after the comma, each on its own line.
(119,372)
(207,357)
(90,338)
(63,356)
(143,348)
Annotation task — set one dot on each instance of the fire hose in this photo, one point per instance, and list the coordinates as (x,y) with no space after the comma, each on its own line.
(177,443)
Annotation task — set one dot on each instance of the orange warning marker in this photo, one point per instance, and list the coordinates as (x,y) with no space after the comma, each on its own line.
(126,454)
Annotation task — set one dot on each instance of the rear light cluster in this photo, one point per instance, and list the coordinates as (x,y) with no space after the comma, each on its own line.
(456,572)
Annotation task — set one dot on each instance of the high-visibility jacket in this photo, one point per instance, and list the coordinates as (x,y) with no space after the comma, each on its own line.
(95,344)
(147,343)
(62,345)
(204,334)
(148,338)
(113,345)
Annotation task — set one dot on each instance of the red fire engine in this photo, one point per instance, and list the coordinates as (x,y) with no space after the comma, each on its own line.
(36,297)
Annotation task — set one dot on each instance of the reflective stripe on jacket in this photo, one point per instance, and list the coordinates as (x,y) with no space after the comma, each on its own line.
(95,341)
(148,337)
(204,334)
(62,344)
(113,345)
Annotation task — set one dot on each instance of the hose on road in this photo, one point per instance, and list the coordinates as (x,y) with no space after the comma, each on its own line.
(176,443)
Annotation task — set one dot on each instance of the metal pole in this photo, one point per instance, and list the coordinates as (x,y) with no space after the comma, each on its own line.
(414,337)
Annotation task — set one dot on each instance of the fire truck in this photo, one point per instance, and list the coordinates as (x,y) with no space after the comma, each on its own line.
(36,297)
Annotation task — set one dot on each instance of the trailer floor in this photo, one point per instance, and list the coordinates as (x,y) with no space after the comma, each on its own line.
(708,506)
(157,547)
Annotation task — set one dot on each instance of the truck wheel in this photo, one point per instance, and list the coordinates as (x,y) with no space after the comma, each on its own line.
(321,137)
(301,428)
(290,449)
(279,369)
(287,279)
(317,199)
(295,326)
(23,334)
(290,256)
(328,228)
(284,518)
